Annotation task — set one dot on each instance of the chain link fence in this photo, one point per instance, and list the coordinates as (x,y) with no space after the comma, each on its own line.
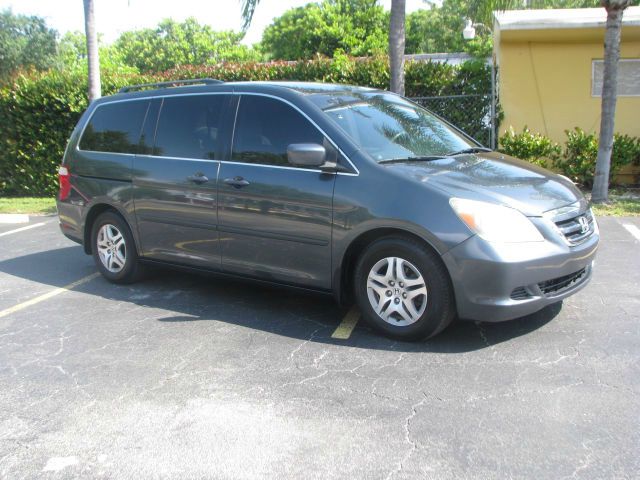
(473,114)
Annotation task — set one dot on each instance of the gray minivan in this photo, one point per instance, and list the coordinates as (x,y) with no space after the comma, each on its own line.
(346,190)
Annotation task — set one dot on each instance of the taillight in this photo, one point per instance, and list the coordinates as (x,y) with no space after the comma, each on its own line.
(65,182)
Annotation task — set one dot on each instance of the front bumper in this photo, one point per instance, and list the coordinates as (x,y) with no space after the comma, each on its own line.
(494,283)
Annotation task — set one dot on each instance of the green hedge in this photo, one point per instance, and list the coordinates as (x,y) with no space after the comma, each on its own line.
(577,160)
(39,110)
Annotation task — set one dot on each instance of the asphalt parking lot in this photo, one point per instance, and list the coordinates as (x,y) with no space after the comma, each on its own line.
(184,376)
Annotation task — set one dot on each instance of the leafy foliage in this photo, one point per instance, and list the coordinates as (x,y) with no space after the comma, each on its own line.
(354,27)
(171,44)
(577,160)
(533,147)
(25,42)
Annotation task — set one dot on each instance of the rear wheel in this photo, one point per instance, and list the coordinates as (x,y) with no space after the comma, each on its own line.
(113,248)
(403,290)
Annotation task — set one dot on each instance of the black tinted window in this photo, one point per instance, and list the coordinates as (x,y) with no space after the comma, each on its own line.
(115,127)
(189,126)
(264,129)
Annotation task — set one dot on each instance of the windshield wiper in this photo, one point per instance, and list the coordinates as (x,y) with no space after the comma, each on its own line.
(469,150)
(423,158)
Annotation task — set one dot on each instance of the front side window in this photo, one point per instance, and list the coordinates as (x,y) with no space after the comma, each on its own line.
(189,127)
(115,127)
(265,127)
(388,127)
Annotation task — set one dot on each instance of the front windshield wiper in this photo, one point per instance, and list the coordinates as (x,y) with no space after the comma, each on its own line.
(469,150)
(423,158)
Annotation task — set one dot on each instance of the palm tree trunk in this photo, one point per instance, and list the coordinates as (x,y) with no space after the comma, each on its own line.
(615,10)
(396,46)
(92,51)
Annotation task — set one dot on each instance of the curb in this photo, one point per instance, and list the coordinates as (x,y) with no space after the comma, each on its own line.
(14,218)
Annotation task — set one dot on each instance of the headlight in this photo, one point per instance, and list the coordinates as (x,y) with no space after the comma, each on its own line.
(495,223)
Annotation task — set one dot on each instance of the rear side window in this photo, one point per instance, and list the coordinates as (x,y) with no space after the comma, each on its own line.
(265,127)
(115,127)
(190,126)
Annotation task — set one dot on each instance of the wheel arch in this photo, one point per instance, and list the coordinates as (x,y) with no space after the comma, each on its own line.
(94,212)
(343,280)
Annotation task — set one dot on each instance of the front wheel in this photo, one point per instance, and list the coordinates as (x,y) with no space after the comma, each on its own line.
(114,250)
(403,289)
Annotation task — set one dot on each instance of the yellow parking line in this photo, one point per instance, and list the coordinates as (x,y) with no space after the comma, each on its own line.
(47,295)
(349,322)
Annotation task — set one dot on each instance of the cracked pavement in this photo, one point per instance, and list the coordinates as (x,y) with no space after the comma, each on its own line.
(186,376)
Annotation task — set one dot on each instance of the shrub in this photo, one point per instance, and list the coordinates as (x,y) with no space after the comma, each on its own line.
(533,147)
(578,158)
(578,161)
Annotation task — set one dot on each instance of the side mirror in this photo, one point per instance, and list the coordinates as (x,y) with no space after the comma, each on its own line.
(306,154)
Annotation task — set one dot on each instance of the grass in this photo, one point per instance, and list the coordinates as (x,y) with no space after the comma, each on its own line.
(37,205)
(618,207)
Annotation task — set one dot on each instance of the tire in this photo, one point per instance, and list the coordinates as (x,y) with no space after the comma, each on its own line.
(418,300)
(114,250)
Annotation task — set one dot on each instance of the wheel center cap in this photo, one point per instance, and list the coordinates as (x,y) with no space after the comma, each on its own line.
(397,291)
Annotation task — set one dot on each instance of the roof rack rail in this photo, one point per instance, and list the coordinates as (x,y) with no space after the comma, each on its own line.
(172,83)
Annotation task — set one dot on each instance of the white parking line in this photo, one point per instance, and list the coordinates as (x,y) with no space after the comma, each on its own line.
(22,229)
(633,230)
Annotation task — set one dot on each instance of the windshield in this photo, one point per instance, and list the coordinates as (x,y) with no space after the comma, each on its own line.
(388,127)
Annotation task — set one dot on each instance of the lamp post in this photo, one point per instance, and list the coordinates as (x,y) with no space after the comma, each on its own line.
(469,33)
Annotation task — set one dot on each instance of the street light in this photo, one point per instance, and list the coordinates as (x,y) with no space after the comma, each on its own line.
(469,32)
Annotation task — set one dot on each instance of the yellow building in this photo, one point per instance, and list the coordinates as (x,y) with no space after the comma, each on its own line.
(550,71)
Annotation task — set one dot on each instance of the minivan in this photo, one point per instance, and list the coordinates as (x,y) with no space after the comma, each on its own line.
(340,189)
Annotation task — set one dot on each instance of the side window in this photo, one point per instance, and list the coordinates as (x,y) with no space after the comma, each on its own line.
(189,127)
(265,127)
(115,127)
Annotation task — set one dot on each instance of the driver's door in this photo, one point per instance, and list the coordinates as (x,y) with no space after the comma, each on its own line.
(274,219)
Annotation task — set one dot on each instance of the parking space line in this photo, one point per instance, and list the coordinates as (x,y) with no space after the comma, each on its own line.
(349,322)
(633,230)
(22,229)
(48,295)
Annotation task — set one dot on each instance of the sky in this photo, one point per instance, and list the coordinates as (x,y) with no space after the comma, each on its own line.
(116,16)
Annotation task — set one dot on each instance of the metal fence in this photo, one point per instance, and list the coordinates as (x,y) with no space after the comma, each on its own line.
(473,114)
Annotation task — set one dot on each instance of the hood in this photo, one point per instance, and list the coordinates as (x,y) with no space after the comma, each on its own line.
(496,178)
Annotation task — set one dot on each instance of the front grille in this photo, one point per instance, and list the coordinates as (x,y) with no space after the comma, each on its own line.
(561,284)
(520,293)
(577,229)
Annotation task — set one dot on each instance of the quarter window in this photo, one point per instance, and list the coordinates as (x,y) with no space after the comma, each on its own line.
(265,127)
(189,127)
(115,127)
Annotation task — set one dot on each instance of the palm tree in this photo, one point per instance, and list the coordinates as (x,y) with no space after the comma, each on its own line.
(92,51)
(396,45)
(615,10)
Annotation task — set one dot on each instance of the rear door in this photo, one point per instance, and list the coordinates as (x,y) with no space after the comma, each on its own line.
(175,190)
(274,219)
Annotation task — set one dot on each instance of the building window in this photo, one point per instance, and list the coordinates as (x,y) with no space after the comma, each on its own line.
(628,77)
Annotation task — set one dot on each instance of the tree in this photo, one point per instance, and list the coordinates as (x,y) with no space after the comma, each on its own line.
(93,58)
(173,43)
(615,10)
(356,27)
(25,42)
(396,45)
(438,29)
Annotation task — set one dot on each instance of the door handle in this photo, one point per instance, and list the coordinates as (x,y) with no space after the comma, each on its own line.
(236,182)
(198,178)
